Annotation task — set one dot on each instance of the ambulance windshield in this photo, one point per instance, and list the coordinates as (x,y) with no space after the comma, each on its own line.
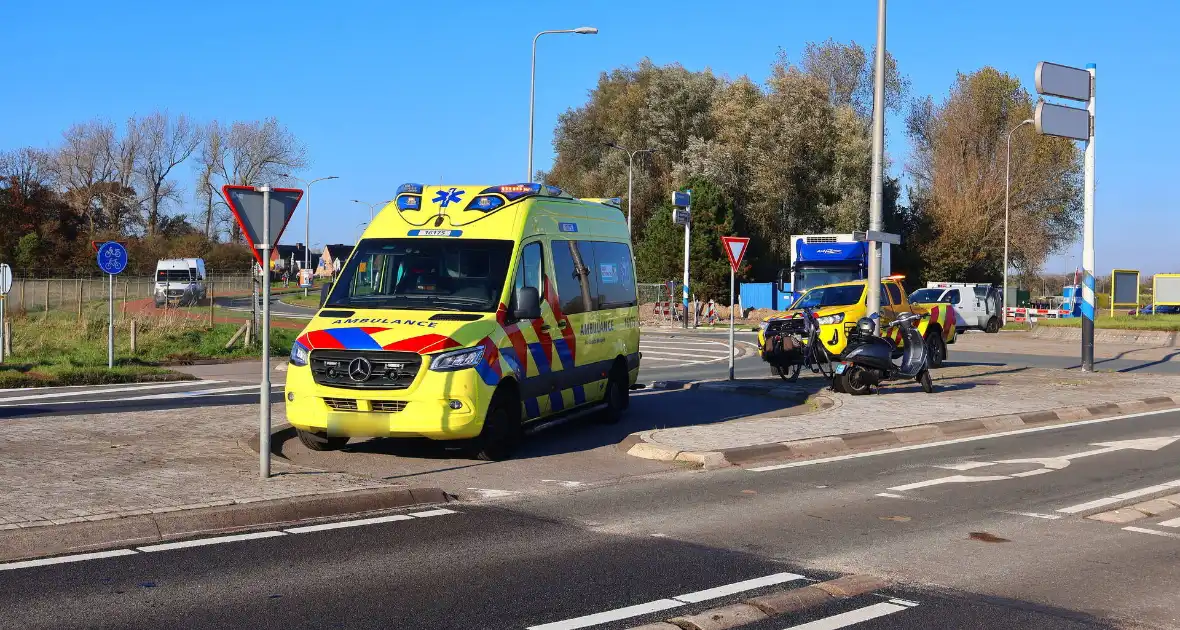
(428,274)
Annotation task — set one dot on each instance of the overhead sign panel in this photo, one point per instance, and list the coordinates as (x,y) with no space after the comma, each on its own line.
(1063,81)
(246,204)
(682,199)
(1062,121)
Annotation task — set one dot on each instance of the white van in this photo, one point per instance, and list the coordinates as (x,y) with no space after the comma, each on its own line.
(180,281)
(977,305)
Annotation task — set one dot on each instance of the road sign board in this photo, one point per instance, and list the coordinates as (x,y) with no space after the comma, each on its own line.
(246,204)
(304,278)
(1062,121)
(735,249)
(5,279)
(681,199)
(112,258)
(1063,81)
(681,216)
(878,237)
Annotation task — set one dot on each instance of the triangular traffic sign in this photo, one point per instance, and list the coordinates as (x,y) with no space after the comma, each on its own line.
(246,204)
(735,249)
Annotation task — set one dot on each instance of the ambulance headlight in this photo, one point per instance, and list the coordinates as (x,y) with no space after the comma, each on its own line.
(457,360)
(299,354)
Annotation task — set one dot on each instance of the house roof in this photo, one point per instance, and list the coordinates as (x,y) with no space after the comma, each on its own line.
(338,250)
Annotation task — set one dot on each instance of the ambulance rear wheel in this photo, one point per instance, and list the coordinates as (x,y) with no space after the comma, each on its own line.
(501,429)
(321,441)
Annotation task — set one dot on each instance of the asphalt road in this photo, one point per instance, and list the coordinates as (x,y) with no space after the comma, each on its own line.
(968,554)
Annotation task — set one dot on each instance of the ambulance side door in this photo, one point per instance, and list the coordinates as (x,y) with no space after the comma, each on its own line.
(577,296)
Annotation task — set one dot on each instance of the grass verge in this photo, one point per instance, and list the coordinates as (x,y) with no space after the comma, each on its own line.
(56,348)
(311,300)
(1167,323)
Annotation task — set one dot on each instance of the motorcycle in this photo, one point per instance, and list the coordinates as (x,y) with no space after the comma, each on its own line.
(792,344)
(868,359)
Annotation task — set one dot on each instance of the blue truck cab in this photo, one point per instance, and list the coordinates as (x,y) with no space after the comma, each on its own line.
(821,259)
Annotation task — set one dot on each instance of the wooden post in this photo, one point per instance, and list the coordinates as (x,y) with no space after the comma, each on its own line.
(79,299)
(46,297)
(210,294)
(126,287)
(22,295)
(134,345)
(6,334)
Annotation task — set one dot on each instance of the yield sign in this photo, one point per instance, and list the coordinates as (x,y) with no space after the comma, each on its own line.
(735,249)
(246,204)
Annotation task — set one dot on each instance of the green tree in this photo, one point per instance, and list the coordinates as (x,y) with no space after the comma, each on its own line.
(659,256)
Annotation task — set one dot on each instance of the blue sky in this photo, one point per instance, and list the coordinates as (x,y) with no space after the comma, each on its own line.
(387,92)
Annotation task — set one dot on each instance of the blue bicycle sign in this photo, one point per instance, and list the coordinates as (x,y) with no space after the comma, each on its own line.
(112,258)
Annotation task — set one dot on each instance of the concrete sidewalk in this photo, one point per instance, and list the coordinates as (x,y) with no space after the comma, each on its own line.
(967,399)
(61,472)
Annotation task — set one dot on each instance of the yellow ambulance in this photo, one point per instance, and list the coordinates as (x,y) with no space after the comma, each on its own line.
(467,313)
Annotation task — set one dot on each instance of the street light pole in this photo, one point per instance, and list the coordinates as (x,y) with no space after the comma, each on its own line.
(630,159)
(372,213)
(873,297)
(581,30)
(307,218)
(1007,178)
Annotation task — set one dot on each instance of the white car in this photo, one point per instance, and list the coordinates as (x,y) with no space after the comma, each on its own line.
(977,305)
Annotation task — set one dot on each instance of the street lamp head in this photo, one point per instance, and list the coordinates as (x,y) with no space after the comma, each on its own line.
(586,30)
(329,177)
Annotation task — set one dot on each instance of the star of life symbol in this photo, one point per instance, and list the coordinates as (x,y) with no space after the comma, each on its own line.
(447,197)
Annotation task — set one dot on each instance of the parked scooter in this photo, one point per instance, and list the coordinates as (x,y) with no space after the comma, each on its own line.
(793,344)
(868,360)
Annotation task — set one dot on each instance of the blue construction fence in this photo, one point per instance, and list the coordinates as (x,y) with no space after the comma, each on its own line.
(763,295)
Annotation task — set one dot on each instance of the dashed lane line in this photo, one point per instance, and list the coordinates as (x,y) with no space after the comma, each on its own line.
(1119,498)
(167,396)
(843,620)
(695,597)
(136,388)
(1155,532)
(217,540)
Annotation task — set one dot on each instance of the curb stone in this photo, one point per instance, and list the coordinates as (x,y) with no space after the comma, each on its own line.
(48,540)
(638,444)
(781,601)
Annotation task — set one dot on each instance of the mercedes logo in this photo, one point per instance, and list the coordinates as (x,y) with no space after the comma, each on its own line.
(360,369)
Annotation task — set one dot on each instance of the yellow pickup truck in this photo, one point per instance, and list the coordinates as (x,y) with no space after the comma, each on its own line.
(839,306)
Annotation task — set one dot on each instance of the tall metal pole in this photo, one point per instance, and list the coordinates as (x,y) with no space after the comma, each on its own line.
(1007,179)
(732,306)
(876,198)
(3,330)
(687,234)
(1088,301)
(306,233)
(630,160)
(532,103)
(110,321)
(264,387)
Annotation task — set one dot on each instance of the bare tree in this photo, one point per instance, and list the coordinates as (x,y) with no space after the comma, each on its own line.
(27,168)
(84,161)
(210,158)
(164,143)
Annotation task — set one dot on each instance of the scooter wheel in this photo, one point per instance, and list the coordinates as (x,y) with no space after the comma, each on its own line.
(853,382)
(927,384)
(789,373)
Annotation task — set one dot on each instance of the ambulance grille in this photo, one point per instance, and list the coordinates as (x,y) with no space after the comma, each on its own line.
(341,404)
(387,406)
(385,369)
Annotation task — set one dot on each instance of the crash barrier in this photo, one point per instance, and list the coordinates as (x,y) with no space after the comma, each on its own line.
(1021,314)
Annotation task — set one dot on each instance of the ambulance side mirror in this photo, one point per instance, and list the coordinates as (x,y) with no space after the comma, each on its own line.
(528,303)
(781,284)
(324,291)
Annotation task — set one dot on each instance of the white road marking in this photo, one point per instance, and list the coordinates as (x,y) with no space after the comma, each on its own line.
(1133,494)
(1048,517)
(201,542)
(951,479)
(429,513)
(1144,530)
(136,388)
(41,562)
(677,342)
(695,597)
(737,587)
(651,355)
(1171,523)
(610,615)
(852,617)
(962,466)
(891,495)
(489,493)
(168,396)
(564,484)
(975,438)
(903,602)
(679,362)
(342,524)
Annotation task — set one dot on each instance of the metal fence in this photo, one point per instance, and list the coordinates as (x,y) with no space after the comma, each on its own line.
(42,295)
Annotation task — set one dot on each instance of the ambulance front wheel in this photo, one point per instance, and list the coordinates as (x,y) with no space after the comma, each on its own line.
(501,428)
(321,441)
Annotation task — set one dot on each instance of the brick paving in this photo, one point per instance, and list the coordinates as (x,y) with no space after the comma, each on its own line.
(95,467)
(962,392)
